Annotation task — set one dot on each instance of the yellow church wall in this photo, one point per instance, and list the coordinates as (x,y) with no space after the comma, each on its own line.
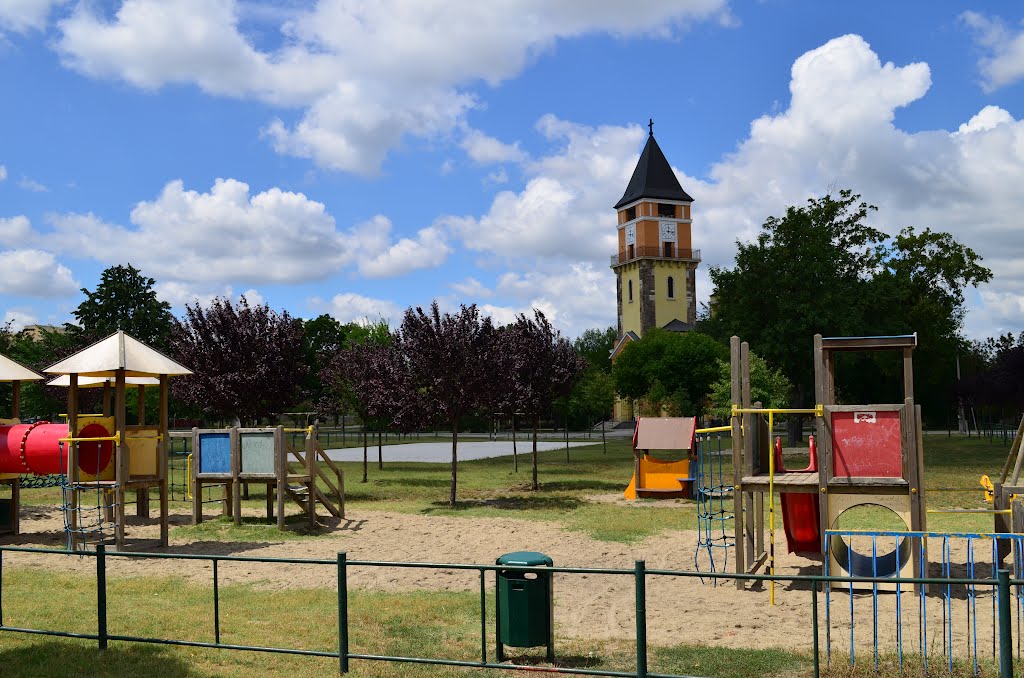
(665,309)
(631,309)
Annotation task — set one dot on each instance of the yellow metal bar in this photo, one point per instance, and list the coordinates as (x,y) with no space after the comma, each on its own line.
(818,410)
(298,430)
(89,440)
(714,429)
(157,437)
(771,504)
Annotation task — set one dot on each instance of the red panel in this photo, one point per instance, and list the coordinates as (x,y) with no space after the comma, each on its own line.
(867,444)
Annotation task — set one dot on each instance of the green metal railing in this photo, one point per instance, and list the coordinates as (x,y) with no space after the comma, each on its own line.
(344,655)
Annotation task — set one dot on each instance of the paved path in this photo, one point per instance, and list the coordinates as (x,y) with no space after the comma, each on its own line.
(442,452)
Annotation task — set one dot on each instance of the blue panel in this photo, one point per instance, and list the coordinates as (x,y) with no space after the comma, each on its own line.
(215,453)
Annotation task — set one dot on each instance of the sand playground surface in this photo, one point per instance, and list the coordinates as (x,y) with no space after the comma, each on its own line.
(590,607)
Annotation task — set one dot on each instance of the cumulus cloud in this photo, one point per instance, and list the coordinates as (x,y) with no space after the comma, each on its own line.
(470,289)
(34,273)
(31,185)
(487,150)
(428,249)
(363,76)
(3,172)
(21,16)
(17,318)
(15,229)
(1003,62)
(350,307)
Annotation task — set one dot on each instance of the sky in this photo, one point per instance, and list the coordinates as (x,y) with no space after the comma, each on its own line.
(357,158)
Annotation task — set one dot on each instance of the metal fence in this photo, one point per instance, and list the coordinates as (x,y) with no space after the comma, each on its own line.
(1001,586)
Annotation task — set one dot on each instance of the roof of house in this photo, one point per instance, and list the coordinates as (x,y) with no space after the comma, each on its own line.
(653,178)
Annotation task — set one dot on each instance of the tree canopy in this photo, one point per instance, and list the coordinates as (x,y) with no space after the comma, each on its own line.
(124,300)
(671,371)
(821,268)
(246,360)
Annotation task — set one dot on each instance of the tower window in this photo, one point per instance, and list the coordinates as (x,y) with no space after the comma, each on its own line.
(630,290)
(666,210)
(668,249)
(631,213)
(671,288)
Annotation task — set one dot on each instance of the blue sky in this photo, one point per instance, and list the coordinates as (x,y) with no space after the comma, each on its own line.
(357,158)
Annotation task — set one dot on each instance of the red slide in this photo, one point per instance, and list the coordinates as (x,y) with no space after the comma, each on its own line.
(36,448)
(800,512)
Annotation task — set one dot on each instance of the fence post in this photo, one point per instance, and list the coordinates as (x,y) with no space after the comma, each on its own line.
(641,619)
(1005,634)
(343,612)
(814,624)
(101,595)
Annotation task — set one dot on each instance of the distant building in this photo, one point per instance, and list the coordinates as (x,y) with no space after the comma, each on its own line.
(655,268)
(35,332)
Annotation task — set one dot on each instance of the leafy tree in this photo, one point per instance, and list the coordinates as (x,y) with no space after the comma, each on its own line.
(767,385)
(595,345)
(124,300)
(537,367)
(821,268)
(247,360)
(373,381)
(450,362)
(671,371)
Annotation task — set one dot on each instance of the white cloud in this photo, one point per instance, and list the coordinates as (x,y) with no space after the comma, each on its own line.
(574,297)
(428,249)
(497,177)
(565,208)
(21,16)
(224,235)
(15,229)
(3,172)
(31,185)
(351,307)
(486,150)
(1003,63)
(18,318)
(34,273)
(987,118)
(364,75)
(470,289)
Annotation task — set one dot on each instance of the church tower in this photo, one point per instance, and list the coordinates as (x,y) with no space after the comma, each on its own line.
(655,268)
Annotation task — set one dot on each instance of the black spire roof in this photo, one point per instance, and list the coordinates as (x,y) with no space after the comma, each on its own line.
(653,177)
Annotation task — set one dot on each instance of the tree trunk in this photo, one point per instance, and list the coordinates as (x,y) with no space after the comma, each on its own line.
(455,461)
(364,453)
(536,422)
(515,457)
(604,441)
(380,455)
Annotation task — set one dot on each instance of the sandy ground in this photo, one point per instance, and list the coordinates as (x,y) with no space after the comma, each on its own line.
(594,607)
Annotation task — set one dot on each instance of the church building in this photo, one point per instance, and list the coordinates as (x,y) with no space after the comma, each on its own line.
(655,268)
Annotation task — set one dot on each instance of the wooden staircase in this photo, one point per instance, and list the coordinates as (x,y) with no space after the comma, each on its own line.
(310,468)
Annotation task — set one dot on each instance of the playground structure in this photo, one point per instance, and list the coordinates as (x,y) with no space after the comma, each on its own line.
(654,477)
(15,458)
(98,458)
(241,456)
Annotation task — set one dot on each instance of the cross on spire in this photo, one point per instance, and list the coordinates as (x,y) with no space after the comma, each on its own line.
(650,126)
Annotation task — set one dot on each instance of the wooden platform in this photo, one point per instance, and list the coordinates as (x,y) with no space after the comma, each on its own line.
(784,482)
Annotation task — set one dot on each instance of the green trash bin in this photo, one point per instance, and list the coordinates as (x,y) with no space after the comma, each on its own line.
(524,604)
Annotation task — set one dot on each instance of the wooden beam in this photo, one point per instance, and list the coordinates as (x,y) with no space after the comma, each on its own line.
(737,458)
(16,399)
(121,455)
(163,448)
(905,341)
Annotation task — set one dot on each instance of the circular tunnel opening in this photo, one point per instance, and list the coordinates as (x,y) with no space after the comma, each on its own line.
(93,456)
(853,559)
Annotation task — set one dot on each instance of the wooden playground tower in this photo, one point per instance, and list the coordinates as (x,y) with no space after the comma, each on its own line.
(868,455)
(139,455)
(238,457)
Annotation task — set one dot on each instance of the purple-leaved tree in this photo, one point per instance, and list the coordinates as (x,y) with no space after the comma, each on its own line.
(450,364)
(537,365)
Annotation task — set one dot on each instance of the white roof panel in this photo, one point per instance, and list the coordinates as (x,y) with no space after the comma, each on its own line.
(92,382)
(119,351)
(13,371)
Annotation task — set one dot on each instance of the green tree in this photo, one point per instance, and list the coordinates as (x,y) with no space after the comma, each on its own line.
(821,268)
(124,300)
(673,371)
(595,345)
(767,385)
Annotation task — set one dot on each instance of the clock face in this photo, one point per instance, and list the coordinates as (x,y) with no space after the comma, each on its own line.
(668,231)
(631,234)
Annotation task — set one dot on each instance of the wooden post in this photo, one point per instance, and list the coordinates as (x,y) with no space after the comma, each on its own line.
(737,460)
(121,455)
(106,398)
(72,469)
(311,469)
(281,469)
(197,486)
(140,404)
(824,447)
(236,471)
(752,510)
(163,446)
(16,400)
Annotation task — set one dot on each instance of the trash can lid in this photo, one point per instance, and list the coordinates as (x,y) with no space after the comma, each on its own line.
(525,558)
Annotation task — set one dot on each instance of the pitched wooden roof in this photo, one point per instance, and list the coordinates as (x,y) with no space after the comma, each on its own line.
(119,351)
(15,371)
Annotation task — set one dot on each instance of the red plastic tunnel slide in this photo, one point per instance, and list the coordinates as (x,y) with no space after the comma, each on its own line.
(800,511)
(36,448)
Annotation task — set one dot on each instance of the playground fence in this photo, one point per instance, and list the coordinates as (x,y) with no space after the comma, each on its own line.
(1002,587)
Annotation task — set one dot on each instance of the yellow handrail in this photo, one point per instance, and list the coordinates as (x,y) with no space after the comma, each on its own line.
(818,410)
(714,429)
(96,439)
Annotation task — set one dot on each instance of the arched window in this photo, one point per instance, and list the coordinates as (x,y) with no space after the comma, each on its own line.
(671,288)
(631,290)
